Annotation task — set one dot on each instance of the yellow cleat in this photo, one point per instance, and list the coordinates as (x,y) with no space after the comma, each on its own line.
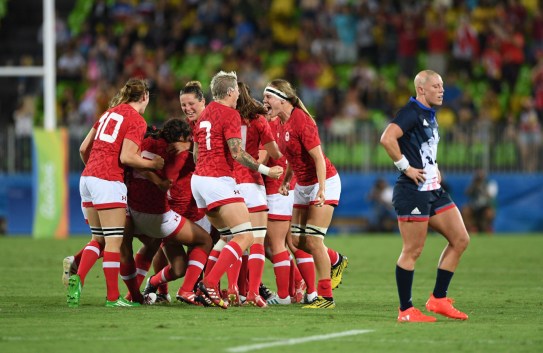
(321,303)
(336,273)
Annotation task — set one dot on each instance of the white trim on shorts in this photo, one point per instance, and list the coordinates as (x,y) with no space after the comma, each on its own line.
(304,196)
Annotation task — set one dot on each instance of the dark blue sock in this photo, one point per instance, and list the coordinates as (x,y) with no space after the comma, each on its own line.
(404,281)
(442,283)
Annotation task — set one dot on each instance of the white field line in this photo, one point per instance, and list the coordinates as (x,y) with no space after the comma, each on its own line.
(293,341)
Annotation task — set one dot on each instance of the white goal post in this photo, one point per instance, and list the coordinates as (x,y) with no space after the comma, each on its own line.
(47,71)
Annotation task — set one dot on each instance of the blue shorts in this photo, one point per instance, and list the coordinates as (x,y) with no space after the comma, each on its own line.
(418,206)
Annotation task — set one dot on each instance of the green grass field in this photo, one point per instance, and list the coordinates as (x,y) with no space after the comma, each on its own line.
(499,284)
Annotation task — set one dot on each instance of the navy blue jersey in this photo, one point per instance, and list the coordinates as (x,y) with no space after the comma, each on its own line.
(419,142)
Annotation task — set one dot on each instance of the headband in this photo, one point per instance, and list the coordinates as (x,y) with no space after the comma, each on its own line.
(276,92)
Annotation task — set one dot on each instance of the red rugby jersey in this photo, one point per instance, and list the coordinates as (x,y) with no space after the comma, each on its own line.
(296,137)
(115,125)
(217,124)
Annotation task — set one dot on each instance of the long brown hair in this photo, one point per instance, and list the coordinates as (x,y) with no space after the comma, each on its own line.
(285,87)
(248,107)
(133,90)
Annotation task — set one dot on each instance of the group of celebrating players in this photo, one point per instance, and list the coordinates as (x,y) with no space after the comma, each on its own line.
(235,182)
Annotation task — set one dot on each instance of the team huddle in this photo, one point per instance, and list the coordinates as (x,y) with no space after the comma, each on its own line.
(218,192)
(239,181)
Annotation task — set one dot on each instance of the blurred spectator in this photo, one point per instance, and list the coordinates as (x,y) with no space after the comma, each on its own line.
(512,50)
(529,136)
(71,64)
(537,84)
(479,211)
(407,47)
(437,44)
(352,113)
(383,216)
(139,64)
(492,64)
(24,123)
(465,46)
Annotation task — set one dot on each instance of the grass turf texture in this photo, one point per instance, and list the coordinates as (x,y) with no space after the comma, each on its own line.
(499,284)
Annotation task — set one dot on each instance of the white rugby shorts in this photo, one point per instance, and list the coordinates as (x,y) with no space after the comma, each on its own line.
(212,192)
(102,194)
(306,195)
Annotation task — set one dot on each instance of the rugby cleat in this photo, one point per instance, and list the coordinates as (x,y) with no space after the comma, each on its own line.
(213,294)
(255,300)
(264,291)
(309,298)
(276,300)
(69,267)
(444,306)
(414,315)
(74,291)
(188,297)
(162,298)
(233,295)
(149,299)
(321,303)
(149,288)
(336,273)
(122,303)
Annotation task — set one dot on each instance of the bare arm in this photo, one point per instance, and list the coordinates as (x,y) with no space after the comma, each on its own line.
(273,150)
(285,185)
(320,166)
(244,158)
(389,140)
(263,156)
(195,151)
(86,145)
(131,158)
(162,184)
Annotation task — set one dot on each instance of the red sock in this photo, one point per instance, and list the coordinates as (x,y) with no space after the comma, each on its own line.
(197,260)
(292,278)
(129,276)
(334,256)
(142,267)
(211,261)
(111,265)
(163,288)
(229,254)
(233,273)
(89,255)
(77,257)
(281,268)
(324,288)
(307,269)
(163,276)
(256,267)
(243,279)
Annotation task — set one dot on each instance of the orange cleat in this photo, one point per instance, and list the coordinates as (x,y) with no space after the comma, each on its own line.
(414,315)
(255,300)
(444,306)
